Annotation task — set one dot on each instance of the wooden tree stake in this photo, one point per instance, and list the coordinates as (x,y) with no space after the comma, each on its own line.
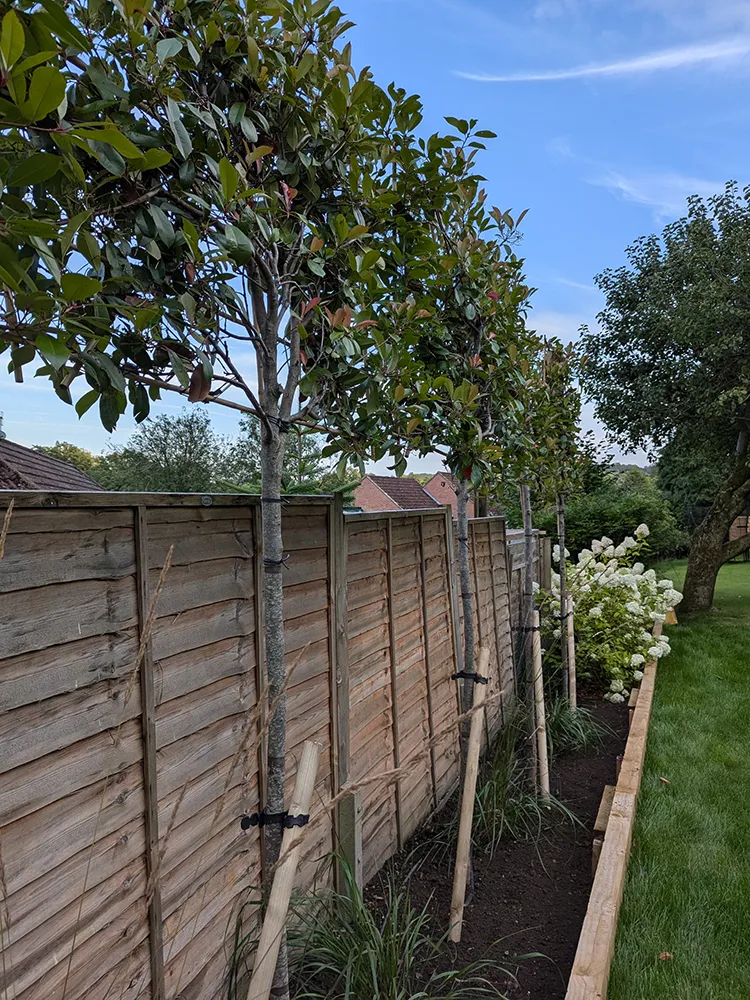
(467,801)
(541,720)
(283,881)
(571,638)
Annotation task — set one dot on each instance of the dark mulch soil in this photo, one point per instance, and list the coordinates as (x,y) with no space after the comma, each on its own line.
(530,897)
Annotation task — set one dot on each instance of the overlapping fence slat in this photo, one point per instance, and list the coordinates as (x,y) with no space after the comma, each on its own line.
(121,792)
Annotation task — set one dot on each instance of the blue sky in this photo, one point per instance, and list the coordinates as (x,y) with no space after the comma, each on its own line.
(608,113)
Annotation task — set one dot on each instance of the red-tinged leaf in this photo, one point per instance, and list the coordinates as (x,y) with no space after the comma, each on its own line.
(494,296)
(475,361)
(289,194)
(366,322)
(303,356)
(666,956)
(311,305)
(316,244)
(200,386)
(466,473)
(190,271)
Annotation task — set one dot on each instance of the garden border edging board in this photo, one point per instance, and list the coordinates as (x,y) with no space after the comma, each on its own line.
(590,974)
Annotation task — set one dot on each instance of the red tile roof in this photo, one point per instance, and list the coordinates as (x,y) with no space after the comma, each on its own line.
(406,492)
(24,469)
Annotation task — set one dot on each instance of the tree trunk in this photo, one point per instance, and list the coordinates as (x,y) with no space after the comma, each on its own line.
(527,620)
(564,620)
(467,603)
(708,551)
(272,458)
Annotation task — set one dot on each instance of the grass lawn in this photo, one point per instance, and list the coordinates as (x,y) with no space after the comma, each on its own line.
(688,888)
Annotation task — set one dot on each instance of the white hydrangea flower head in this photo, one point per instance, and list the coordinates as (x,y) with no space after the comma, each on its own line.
(664,585)
(629,542)
(620,551)
(638,569)
(617,686)
(585,556)
(595,612)
(636,660)
(618,699)
(637,675)
(535,587)
(556,553)
(657,616)
(634,608)
(599,567)
(642,531)
(656,652)
(557,633)
(672,597)
(646,636)
(609,551)
(555,579)
(650,575)
(586,588)
(606,541)
(597,547)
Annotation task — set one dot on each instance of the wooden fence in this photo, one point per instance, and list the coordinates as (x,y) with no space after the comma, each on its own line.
(121,792)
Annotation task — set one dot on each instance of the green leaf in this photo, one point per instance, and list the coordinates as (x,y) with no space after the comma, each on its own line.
(12,39)
(167,48)
(178,367)
(112,137)
(180,133)
(249,131)
(154,158)
(237,113)
(52,350)
(191,235)
(109,411)
(164,228)
(86,401)
(57,20)
(258,152)
(35,169)
(88,246)
(78,287)
(109,158)
(230,179)
(45,93)
(305,65)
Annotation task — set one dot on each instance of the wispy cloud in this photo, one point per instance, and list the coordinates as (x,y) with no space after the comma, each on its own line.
(579,285)
(729,50)
(666,192)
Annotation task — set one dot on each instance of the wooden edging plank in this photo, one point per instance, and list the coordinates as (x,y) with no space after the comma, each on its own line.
(596,945)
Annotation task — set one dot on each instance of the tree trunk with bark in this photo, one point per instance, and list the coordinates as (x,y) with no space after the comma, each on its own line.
(564,620)
(467,602)
(710,549)
(527,619)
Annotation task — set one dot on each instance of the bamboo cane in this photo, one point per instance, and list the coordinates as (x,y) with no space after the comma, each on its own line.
(467,802)
(283,882)
(571,637)
(541,721)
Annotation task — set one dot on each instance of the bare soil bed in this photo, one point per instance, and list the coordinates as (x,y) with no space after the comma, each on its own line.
(531,896)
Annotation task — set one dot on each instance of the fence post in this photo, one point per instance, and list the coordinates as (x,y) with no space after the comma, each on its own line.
(427,663)
(348,813)
(394,683)
(148,723)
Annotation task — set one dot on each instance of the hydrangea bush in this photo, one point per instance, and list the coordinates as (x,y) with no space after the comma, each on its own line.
(616,602)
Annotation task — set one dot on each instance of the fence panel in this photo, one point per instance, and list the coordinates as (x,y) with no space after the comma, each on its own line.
(121,789)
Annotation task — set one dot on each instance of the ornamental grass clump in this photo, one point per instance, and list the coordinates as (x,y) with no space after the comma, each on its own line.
(617,602)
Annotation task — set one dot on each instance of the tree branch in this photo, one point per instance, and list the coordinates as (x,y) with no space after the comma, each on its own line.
(161,384)
(736,547)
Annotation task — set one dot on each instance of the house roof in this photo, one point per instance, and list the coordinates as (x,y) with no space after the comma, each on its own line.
(406,492)
(24,469)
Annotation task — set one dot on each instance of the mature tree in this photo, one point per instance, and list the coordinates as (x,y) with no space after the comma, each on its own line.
(180,454)
(671,360)
(690,472)
(81,458)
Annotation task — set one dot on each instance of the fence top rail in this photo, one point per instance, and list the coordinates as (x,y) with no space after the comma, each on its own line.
(381,515)
(48,499)
(492,519)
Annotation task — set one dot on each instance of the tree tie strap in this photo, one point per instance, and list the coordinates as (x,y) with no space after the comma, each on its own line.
(275,565)
(283,425)
(282,819)
(467,675)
